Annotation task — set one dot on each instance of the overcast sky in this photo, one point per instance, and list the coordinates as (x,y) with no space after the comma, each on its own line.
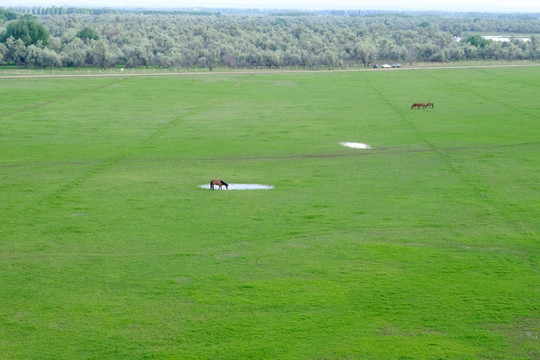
(446,5)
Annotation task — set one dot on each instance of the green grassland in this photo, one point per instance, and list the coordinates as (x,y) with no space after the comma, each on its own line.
(424,247)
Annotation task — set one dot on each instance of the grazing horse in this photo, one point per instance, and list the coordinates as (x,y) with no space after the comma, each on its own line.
(219,183)
(429,104)
(418,106)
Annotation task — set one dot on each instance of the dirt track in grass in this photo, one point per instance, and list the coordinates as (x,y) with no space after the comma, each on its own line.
(268,71)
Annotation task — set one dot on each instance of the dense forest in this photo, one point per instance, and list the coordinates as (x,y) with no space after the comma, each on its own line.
(52,37)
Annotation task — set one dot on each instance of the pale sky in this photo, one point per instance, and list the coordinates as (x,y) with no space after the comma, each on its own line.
(400,5)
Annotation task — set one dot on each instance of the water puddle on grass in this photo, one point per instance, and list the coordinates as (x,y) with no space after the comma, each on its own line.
(241,187)
(356,145)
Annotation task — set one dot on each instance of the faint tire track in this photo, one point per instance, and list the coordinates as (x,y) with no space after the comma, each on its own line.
(482,96)
(83,91)
(98,167)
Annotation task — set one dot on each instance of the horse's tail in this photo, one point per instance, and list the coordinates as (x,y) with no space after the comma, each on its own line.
(211,184)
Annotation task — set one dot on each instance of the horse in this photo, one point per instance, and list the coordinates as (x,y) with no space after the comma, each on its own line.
(429,104)
(418,106)
(219,183)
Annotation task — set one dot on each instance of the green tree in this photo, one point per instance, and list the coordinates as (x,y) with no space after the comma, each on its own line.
(41,57)
(455,52)
(3,52)
(228,56)
(412,52)
(15,51)
(329,57)
(291,57)
(136,55)
(478,41)
(88,33)
(6,15)
(99,54)
(534,47)
(209,58)
(74,53)
(513,52)
(470,52)
(494,50)
(271,59)
(133,39)
(306,59)
(28,30)
(365,52)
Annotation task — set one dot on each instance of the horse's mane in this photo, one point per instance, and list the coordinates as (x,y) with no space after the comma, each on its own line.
(224,183)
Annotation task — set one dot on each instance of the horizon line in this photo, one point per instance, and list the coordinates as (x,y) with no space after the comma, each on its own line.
(266,9)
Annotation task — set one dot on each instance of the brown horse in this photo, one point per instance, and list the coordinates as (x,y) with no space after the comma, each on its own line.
(429,104)
(219,183)
(418,105)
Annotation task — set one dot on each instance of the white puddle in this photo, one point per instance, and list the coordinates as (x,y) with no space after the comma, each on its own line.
(356,145)
(241,187)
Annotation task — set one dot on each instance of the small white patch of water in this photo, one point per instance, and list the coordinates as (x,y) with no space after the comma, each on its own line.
(356,145)
(506,38)
(241,187)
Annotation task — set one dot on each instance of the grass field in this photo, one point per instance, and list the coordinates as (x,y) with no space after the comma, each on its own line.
(424,247)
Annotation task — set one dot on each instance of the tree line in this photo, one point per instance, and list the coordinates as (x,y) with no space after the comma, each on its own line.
(212,39)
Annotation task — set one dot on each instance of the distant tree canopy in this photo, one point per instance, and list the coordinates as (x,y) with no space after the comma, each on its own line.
(478,41)
(88,33)
(6,15)
(28,30)
(79,38)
